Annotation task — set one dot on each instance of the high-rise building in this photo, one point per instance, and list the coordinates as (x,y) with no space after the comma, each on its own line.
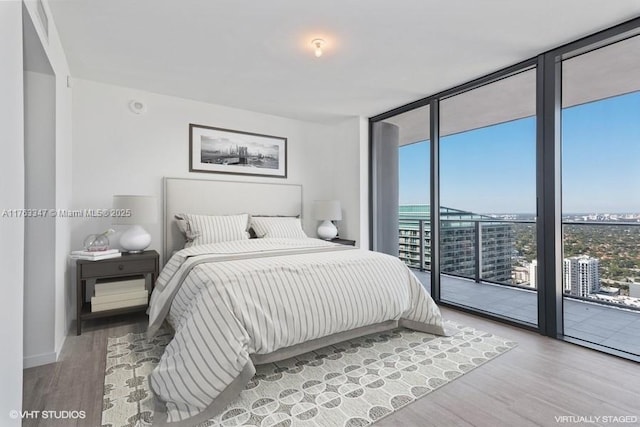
(533,274)
(458,242)
(520,275)
(581,275)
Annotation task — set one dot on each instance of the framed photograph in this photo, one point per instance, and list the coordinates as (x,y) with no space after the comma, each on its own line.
(219,150)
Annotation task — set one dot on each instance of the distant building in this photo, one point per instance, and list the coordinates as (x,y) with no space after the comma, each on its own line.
(457,251)
(634,290)
(581,275)
(520,276)
(610,291)
(533,273)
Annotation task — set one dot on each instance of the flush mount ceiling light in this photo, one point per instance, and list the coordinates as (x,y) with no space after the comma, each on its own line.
(318,44)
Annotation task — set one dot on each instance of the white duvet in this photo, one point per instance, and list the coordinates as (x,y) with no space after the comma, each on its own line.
(229,300)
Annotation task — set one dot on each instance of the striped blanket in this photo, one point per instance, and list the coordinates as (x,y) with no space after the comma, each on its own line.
(227,301)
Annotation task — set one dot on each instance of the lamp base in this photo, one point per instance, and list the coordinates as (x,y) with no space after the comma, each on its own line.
(135,240)
(326,230)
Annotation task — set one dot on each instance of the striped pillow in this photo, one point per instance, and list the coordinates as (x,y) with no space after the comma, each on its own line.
(277,227)
(205,229)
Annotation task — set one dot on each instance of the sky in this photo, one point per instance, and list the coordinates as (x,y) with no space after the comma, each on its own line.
(492,169)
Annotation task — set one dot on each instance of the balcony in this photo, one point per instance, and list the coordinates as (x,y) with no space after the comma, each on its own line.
(595,323)
(471,280)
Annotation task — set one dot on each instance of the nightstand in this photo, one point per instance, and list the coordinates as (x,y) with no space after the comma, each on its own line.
(128,265)
(346,242)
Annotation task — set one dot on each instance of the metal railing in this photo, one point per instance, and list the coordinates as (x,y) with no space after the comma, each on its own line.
(476,225)
(464,224)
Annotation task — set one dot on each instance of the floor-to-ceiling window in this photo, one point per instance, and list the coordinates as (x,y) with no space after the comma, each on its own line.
(488,197)
(413,204)
(601,195)
(533,213)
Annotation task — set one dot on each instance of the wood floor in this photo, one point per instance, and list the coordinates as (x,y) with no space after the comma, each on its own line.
(531,385)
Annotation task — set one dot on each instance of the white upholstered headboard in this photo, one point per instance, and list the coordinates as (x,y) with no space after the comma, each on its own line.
(208,197)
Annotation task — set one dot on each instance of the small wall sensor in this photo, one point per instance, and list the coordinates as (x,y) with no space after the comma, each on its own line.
(137,107)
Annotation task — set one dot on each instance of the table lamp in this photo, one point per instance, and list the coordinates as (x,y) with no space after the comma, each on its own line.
(327,211)
(134,211)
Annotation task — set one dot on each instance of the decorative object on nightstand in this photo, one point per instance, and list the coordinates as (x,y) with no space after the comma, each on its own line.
(134,211)
(345,242)
(96,255)
(111,294)
(97,242)
(120,285)
(327,211)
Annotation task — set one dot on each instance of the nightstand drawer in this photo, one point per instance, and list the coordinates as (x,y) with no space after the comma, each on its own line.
(118,268)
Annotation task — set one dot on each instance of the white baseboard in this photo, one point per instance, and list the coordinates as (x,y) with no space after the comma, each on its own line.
(59,348)
(39,359)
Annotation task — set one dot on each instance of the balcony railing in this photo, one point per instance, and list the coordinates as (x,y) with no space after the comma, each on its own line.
(483,249)
(465,237)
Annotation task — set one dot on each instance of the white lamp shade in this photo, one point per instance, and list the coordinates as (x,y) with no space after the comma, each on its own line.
(327,210)
(143,210)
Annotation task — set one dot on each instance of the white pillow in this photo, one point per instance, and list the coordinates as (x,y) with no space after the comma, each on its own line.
(277,227)
(205,229)
(183,226)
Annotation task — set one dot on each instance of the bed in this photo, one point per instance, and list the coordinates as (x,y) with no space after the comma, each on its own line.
(237,303)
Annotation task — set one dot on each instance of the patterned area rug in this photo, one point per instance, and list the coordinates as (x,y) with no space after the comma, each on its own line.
(351,384)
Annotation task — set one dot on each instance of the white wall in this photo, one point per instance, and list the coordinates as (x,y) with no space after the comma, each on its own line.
(350,143)
(363,162)
(60,317)
(63,279)
(118,152)
(11,197)
(39,236)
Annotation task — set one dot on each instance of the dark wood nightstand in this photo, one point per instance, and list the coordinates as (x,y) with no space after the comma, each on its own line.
(127,265)
(346,242)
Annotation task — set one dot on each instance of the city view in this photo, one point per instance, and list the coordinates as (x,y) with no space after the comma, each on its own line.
(609,253)
(487,183)
(601,262)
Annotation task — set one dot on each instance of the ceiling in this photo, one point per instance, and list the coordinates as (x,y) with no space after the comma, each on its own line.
(257,55)
(602,73)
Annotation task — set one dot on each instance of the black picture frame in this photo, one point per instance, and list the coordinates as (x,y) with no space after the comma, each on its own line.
(228,151)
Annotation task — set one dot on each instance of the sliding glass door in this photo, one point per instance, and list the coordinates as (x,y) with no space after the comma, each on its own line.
(488,198)
(601,196)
